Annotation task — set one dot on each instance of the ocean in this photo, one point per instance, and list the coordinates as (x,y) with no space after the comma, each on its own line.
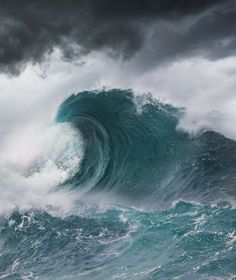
(119,191)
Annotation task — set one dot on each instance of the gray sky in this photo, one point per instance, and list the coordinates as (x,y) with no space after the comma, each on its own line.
(153,31)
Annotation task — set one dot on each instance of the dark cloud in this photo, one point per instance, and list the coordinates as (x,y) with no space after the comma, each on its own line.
(29,29)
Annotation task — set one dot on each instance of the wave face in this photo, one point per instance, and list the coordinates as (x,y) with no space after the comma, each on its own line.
(134,152)
(149,201)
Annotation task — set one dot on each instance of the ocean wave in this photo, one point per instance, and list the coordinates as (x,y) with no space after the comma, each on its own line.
(136,155)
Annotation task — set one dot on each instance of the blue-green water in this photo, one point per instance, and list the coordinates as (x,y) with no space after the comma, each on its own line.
(149,202)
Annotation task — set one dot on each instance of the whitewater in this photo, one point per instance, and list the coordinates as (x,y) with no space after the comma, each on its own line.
(115,189)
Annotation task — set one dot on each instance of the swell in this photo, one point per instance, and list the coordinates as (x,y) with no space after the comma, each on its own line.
(138,157)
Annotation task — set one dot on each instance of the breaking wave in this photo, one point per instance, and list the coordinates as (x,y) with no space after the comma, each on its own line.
(114,190)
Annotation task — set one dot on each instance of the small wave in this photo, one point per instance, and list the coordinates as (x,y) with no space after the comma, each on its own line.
(120,243)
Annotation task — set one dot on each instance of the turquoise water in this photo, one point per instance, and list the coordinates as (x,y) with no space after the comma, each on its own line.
(149,202)
(186,241)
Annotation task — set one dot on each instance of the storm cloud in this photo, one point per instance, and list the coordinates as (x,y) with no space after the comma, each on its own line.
(159,31)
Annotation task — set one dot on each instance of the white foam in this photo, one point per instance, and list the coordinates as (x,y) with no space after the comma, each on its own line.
(34,161)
